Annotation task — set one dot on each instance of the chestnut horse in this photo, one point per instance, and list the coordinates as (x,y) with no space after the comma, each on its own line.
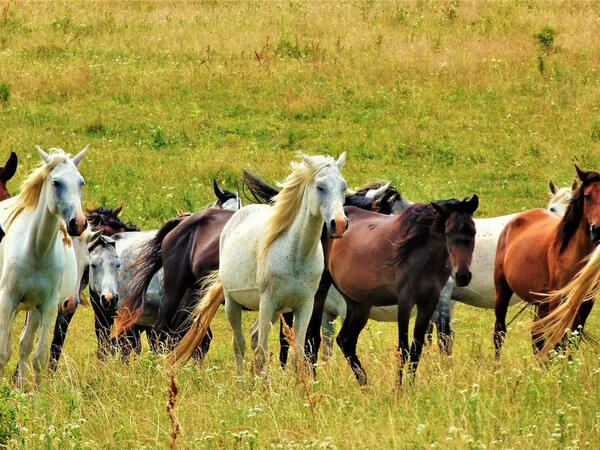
(540,252)
(404,260)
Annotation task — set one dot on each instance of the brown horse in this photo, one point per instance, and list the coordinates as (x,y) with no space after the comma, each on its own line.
(108,220)
(404,260)
(540,252)
(6,173)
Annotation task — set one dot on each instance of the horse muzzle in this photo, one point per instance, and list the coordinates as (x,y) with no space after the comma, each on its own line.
(595,233)
(463,278)
(76,226)
(337,227)
(69,305)
(109,301)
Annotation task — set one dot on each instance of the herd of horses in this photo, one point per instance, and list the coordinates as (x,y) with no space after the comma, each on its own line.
(302,254)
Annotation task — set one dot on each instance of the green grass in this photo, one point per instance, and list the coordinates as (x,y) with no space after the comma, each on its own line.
(444,98)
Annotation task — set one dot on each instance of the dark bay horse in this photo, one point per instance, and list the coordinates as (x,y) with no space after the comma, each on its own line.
(404,260)
(540,252)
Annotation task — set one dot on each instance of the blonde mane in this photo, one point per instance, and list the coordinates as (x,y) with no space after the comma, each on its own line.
(288,201)
(31,188)
(563,195)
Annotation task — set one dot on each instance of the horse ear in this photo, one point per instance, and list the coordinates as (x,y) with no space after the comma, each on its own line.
(341,161)
(218,191)
(45,156)
(552,186)
(10,168)
(118,209)
(79,156)
(441,209)
(93,235)
(376,193)
(575,185)
(582,174)
(473,204)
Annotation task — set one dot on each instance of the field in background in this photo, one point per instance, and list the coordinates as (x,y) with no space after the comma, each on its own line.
(444,98)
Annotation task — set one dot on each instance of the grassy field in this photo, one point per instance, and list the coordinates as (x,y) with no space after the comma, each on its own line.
(444,98)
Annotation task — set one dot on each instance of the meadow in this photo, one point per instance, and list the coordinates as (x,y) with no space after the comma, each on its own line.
(445,99)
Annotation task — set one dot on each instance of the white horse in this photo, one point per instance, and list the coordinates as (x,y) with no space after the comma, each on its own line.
(480,292)
(37,270)
(271,258)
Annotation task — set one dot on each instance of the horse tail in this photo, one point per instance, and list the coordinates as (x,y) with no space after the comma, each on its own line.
(142,269)
(584,286)
(202,315)
(261,191)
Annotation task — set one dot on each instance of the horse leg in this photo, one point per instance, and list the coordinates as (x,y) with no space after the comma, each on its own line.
(233,310)
(313,332)
(267,315)
(328,332)
(102,325)
(8,311)
(284,345)
(503,295)
(26,345)
(203,348)
(424,312)
(176,282)
(443,316)
(581,318)
(404,309)
(41,354)
(60,333)
(131,341)
(357,315)
(303,314)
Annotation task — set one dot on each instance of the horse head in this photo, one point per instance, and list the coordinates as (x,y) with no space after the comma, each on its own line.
(62,189)
(588,198)
(459,229)
(105,266)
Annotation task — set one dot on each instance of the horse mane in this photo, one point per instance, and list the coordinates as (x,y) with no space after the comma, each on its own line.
(31,187)
(415,227)
(259,190)
(287,202)
(417,222)
(106,216)
(574,213)
(562,192)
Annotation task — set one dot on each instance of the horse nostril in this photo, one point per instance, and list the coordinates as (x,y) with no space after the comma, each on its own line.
(346,224)
(332,226)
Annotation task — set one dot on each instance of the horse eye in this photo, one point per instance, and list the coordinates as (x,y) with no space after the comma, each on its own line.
(320,189)
(94,265)
(55,183)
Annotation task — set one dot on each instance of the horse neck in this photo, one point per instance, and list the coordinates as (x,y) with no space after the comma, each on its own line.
(580,241)
(304,233)
(44,227)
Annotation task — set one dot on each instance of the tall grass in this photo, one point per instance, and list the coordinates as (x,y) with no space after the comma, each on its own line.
(444,98)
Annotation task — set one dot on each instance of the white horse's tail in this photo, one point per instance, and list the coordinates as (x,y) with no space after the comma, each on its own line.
(584,286)
(203,314)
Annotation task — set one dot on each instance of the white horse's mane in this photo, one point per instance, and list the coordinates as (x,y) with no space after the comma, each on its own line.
(288,201)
